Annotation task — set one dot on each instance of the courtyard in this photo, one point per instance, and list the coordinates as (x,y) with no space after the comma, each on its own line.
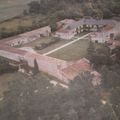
(74,51)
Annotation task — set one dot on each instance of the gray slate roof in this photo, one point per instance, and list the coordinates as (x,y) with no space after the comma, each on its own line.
(91,22)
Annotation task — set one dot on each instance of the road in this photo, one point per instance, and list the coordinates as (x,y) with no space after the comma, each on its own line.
(65,45)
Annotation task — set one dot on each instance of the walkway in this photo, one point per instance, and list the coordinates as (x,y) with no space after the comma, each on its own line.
(67,44)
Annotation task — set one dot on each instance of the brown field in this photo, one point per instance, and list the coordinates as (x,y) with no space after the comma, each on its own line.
(13,24)
(13,8)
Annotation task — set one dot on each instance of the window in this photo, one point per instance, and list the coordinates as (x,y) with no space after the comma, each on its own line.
(90,25)
(81,26)
(96,41)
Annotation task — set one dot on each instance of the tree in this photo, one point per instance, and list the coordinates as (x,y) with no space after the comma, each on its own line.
(116,51)
(34,7)
(116,101)
(82,90)
(53,24)
(35,98)
(36,67)
(21,29)
(3,33)
(25,12)
(110,78)
(91,49)
(34,23)
(107,14)
(5,67)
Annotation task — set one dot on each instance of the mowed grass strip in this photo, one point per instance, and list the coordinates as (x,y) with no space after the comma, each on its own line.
(73,52)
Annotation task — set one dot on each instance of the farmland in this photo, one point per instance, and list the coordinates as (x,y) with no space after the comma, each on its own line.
(13,24)
(11,15)
(12,8)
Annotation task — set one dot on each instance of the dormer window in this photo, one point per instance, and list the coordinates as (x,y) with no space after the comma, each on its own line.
(81,26)
(87,25)
(90,25)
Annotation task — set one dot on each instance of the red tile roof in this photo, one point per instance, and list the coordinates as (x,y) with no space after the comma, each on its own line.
(51,60)
(9,39)
(108,27)
(114,42)
(73,70)
(12,50)
(63,31)
(26,34)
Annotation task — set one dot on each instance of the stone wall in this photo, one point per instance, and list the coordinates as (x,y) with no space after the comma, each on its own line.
(27,37)
(47,64)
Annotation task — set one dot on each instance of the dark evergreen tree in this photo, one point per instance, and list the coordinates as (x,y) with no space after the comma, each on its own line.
(36,67)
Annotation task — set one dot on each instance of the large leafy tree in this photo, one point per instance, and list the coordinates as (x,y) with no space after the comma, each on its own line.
(5,67)
(36,99)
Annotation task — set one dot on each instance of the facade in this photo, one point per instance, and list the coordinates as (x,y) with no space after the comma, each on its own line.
(98,37)
(109,32)
(65,34)
(64,31)
(11,53)
(98,29)
(87,25)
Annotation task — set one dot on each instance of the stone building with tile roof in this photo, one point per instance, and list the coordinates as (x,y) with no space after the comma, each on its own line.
(63,70)
(27,37)
(97,28)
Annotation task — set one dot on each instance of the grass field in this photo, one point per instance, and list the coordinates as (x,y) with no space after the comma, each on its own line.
(38,41)
(75,51)
(72,52)
(12,8)
(15,23)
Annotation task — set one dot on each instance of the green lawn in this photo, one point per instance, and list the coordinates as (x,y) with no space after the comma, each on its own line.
(38,42)
(73,52)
